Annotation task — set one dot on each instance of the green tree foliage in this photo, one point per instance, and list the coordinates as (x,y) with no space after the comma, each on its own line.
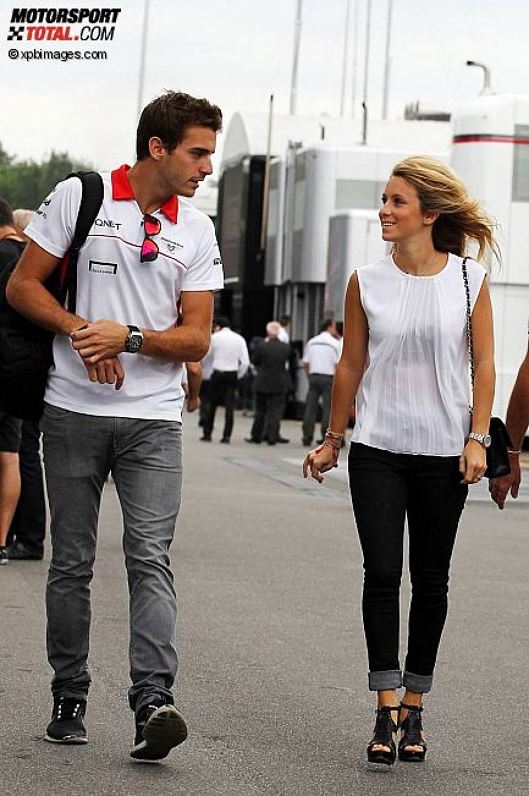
(25,183)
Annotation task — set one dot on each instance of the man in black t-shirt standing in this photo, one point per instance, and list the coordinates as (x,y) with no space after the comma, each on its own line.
(11,247)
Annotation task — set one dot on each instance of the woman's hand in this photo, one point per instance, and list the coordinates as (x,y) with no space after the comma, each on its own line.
(472,462)
(320,460)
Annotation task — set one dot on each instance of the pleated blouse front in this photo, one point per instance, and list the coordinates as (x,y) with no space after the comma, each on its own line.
(414,395)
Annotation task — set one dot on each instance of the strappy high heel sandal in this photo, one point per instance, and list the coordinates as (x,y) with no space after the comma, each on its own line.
(383,733)
(412,728)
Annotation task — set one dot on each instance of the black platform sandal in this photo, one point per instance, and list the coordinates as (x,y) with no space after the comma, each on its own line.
(412,727)
(383,733)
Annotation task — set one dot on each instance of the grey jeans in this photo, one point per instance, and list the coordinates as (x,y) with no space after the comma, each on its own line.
(319,385)
(145,458)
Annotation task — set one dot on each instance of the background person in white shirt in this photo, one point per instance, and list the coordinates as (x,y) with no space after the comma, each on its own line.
(285,322)
(229,362)
(320,358)
(415,445)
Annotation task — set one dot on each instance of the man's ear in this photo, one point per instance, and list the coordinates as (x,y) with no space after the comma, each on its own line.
(156,148)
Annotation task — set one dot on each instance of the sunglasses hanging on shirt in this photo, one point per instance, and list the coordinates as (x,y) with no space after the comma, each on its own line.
(149,248)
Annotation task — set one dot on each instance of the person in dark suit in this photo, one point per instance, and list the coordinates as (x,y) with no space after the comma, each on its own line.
(272,382)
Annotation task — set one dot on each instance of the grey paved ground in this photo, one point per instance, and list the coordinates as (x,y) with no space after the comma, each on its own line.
(272,656)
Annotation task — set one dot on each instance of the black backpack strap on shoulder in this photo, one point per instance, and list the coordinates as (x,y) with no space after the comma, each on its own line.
(91,200)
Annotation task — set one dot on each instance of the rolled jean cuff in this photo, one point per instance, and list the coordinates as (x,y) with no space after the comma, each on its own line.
(420,683)
(385,681)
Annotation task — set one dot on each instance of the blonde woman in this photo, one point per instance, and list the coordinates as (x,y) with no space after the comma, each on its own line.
(415,446)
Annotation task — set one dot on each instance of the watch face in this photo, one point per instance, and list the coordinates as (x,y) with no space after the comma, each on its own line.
(134,341)
(487,440)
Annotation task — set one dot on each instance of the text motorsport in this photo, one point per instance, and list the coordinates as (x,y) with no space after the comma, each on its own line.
(54,24)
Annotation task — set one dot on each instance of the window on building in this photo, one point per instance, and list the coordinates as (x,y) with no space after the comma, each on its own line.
(520,177)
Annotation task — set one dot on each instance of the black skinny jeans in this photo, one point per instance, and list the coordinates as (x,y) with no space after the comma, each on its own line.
(385,489)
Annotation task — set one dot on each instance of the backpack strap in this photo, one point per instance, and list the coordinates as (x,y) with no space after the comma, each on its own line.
(91,200)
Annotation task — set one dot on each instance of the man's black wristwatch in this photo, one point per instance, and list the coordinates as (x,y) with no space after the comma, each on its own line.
(134,340)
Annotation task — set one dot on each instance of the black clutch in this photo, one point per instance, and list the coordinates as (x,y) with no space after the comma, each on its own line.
(498,451)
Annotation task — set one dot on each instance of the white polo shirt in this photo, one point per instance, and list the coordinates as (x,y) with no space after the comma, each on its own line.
(322,353)
(229,352)
(112,283)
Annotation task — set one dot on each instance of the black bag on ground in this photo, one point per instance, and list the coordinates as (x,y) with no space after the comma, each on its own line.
(498,463)
(26,352)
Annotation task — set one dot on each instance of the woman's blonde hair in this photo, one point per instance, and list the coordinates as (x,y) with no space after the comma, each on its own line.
(441,191)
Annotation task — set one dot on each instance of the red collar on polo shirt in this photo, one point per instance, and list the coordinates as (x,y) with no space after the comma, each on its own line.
(122,189)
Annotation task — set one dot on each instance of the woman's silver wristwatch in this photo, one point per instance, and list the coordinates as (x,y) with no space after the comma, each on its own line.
(483,439)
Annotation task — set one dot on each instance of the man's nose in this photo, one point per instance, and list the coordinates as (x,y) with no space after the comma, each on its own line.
(206,166)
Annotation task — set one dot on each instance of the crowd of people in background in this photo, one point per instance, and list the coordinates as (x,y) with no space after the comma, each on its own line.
(262,376)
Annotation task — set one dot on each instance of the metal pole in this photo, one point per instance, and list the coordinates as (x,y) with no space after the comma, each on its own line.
(355,59)
(366,70)
(142,54)
(387,62)
(295,60)
(266,181)
(486,77)
(345,52)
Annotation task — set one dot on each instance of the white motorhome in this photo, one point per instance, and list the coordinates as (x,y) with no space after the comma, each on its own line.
(354,239)
(319,181)
(490,151)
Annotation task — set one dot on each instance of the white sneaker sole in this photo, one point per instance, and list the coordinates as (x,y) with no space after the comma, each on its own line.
(69,739)
(165,729)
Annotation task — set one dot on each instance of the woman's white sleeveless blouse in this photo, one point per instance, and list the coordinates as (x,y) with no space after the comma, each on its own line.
(414,395)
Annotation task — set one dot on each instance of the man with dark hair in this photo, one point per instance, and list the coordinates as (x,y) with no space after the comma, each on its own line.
(169,116)
(285,322)
(229,363)
(320,358)
(114,400)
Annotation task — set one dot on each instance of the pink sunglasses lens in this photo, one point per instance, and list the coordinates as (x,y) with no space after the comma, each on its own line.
(151,225)
(149,251)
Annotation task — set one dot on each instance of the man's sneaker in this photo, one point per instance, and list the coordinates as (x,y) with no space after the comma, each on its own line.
(67,725)
(4,557)
(158,729)
(20,551)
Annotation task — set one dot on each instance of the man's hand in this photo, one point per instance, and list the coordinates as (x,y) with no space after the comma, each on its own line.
(108,371)
(193,404)
(99,340)
(499,487)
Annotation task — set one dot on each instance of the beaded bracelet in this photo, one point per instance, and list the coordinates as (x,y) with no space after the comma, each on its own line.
(331,446)
(334,434)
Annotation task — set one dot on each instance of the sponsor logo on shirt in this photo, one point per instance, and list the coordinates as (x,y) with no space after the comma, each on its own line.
(172,244)
(106,222)
(102,268)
